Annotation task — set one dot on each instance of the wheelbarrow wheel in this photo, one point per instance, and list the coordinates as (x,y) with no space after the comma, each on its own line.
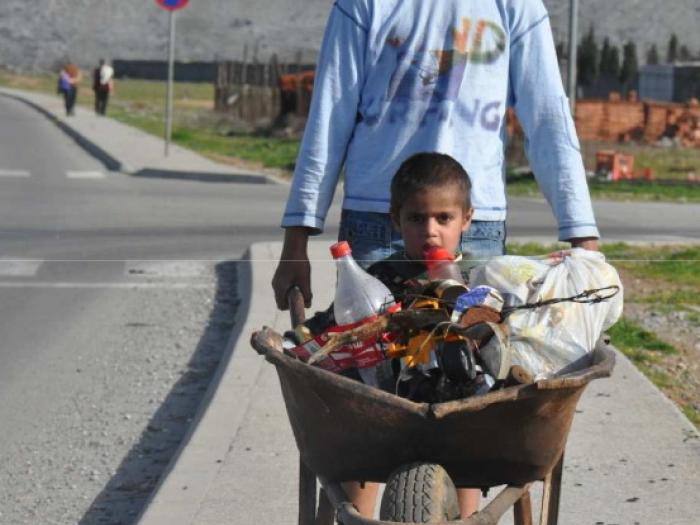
(419,493)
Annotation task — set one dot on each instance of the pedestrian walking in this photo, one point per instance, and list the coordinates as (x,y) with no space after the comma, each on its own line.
(68,81)
(102,85)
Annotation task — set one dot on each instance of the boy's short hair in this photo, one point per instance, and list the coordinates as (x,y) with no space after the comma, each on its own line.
(427,170)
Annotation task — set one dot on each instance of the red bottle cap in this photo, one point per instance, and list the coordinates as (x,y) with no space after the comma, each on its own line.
(340,249)
(436,254)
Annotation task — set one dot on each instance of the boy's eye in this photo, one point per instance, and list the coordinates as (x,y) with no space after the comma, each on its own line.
(444,218)
(415,218)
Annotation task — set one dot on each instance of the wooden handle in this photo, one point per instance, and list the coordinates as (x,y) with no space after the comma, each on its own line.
(295,300)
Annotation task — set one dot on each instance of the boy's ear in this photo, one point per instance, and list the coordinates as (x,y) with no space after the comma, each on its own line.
(467,218)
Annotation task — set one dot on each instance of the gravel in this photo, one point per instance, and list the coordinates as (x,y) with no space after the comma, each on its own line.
(98,457)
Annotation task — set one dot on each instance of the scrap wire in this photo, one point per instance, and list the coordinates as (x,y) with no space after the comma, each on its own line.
(582,298)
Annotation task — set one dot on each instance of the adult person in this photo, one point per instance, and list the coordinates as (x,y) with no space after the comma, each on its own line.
(102,85)
(397,78)
(394,79)
(68,81)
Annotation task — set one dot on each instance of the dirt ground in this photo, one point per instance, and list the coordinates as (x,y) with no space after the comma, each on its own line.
(679,327)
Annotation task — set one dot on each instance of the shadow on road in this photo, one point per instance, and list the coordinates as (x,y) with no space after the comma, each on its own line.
(123,498)
(240,178)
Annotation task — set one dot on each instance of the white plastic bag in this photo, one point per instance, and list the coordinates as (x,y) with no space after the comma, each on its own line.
(557,338)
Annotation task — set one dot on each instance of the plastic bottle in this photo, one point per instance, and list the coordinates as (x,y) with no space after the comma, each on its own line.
(441,265)
(443,269)
(358,296)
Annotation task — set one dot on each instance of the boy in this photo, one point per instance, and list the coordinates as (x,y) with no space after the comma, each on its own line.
(430,206)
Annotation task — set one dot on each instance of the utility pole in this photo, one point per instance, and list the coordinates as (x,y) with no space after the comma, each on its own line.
(573,44)
(169,97)
(171,6)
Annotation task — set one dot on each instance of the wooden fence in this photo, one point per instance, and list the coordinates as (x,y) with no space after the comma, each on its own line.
(257,92)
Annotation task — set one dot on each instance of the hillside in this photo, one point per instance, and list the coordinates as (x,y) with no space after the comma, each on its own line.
(39,34)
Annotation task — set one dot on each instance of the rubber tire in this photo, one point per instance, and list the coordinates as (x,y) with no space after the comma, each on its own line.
(419,493)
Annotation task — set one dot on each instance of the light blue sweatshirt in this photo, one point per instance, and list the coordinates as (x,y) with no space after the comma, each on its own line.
(398,77)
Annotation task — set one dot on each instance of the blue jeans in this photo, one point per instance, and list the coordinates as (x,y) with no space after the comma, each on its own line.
(373,237)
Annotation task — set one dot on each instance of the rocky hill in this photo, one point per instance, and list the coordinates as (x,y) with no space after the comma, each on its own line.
(39,34)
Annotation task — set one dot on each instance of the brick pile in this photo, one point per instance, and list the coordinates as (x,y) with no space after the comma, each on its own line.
(618,120)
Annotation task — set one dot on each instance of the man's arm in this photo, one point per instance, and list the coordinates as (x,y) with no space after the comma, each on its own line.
(588,243)
(294,268)
(332,117)
(553,149)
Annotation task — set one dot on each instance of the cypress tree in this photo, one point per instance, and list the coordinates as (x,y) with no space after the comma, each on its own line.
(587,61)
(652,55)
(684,54)
(604,66)
(672,53)
(629,63)
(614,61)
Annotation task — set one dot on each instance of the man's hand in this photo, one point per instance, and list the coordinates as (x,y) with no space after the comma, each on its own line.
(588,243)
(294,268)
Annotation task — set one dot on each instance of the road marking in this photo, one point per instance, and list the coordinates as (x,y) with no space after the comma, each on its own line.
(85,175)
(14,173)
(169,269)
(19,267)
(116,286)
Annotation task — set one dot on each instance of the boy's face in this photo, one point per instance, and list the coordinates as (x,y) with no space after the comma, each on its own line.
(433,217)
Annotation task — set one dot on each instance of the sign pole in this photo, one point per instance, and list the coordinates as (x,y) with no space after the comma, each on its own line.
(573,42)
(169,98)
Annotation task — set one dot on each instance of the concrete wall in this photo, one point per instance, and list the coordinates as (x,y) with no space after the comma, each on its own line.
(39,34)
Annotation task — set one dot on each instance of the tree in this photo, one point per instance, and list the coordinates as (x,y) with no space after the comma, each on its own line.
(604,64)
(609,59)
(672,53)
(587,60)
(629,63)
(653,55)
(614,67)
(684,54)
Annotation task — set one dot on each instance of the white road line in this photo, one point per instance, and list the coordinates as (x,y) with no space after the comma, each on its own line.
(14,173)
(116,286)
(85,175)
(168,269)
(19,267)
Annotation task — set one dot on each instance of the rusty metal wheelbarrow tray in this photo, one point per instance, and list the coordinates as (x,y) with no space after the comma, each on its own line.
(346,430)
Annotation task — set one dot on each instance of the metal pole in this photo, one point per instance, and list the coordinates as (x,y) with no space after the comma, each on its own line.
(169,97)
(573,44)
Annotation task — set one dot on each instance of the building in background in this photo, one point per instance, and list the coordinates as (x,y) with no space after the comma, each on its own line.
(677,82)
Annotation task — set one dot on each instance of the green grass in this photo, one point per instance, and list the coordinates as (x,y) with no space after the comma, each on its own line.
(640,345)
(521,186)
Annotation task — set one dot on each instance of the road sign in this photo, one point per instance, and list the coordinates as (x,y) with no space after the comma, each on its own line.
(172,5)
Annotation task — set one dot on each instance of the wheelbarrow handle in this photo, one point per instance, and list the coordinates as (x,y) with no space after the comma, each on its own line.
(295,300)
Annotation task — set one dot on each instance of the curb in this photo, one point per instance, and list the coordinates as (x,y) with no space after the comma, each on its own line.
(195,466)
(110,162)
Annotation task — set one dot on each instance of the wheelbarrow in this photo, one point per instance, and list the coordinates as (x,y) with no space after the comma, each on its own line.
(348,431)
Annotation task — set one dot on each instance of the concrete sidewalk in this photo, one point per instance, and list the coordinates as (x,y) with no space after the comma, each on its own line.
(632,457)
(131,151)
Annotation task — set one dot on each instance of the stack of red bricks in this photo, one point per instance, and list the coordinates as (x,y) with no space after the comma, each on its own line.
(618,120)
(624,120)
